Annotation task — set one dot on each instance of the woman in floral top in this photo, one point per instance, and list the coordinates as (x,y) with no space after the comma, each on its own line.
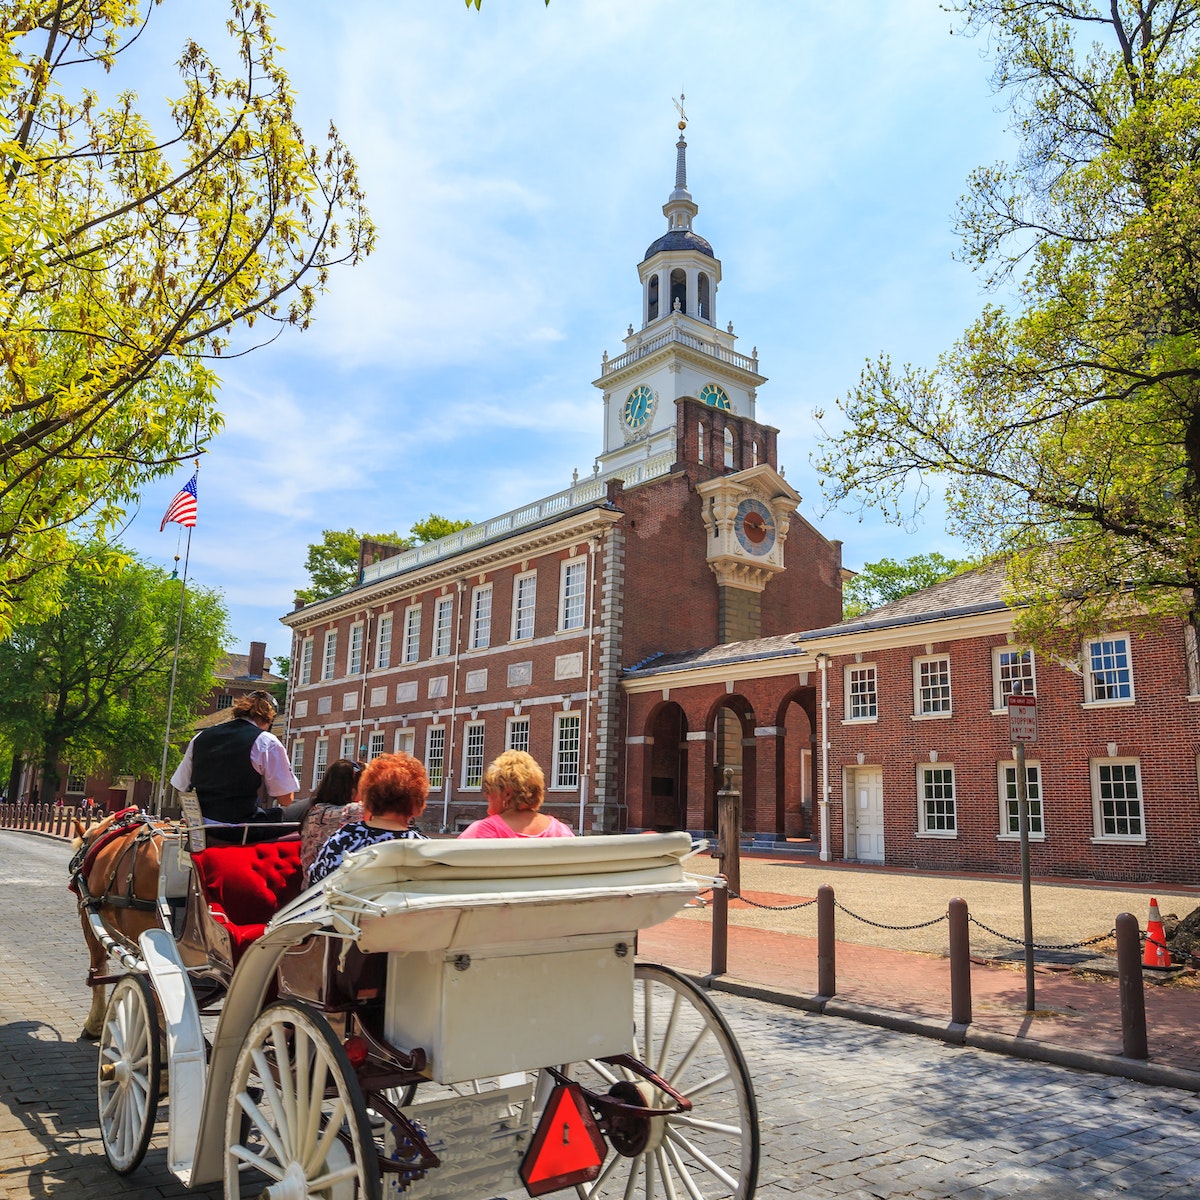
(332,806)
(392,791)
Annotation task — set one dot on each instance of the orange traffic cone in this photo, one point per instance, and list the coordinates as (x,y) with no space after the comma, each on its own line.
(1156,953)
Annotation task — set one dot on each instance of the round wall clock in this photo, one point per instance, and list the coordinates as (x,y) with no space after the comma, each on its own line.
(755,527)
(715,397)
(639,406)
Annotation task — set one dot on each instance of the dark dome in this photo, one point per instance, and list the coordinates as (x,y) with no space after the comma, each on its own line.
(680,239)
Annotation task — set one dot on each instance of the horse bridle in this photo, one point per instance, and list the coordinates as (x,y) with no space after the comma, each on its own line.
(115,900)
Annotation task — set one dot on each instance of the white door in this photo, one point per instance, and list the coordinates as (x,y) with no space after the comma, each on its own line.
(868,813)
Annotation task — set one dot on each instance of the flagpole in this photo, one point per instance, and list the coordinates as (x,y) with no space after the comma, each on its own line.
(162,774)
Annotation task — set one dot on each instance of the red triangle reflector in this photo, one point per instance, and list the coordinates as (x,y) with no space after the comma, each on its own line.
(567,1147)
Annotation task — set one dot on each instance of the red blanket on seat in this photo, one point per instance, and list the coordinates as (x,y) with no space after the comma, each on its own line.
(247,885)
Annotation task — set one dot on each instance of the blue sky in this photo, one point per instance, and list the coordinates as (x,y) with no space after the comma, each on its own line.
(516,161)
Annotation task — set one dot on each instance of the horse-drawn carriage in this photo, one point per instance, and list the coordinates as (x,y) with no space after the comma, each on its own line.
(434,1019)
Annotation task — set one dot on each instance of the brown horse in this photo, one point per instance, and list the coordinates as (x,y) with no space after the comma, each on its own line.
(114,872)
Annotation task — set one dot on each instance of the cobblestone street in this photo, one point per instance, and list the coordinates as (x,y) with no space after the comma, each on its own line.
(846,1110)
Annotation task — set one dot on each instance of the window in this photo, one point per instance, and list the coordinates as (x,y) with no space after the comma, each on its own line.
(932,685)
(517,736)
(383,643)
(566,750)
(936,788)
(442,615)
(375,748)
(472,775)
(330,654)
(1109,677)
(524,601)
(435,755)
(406,741)
(76,783)
(481,617)
(354,659)
(347,746)
(1010,825)
(412,633)
(297,757)
(320,760)
(1012,671)
(862,700)
(1117,800)
(729,447)
(700,437)
(225,700)
(306,653)
(571,603)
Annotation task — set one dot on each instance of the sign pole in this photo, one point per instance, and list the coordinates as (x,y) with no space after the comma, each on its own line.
(1022,728)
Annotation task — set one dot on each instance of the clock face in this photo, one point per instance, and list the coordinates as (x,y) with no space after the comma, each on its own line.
(639,406)
(715,397)
(755,527)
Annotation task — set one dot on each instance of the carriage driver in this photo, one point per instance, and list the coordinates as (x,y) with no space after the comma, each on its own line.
(229,765)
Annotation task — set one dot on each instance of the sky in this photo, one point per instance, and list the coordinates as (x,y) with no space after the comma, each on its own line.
(516,160)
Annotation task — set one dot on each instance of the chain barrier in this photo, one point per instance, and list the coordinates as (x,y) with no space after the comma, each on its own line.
(1004,937)
(881,925)
(755,904)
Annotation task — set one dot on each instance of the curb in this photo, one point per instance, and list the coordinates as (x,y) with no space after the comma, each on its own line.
(954,1034)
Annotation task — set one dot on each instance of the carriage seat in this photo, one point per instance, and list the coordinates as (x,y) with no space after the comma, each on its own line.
(245,886)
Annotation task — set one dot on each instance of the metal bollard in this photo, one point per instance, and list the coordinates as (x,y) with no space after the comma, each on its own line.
(720,926)
(1134,1043)
(960,963)
(826,957)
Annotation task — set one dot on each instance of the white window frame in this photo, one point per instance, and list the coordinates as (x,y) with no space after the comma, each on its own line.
(383,643)
(572,604)
(443,627)
(435,765)
(516,734)
(728,443)
(1105,648)
(298,758)
(320,760)
(524,614)
(1000,686)
(354,654)
(329,655)
(853,691)
(348,747)
(929,822)
(374,744)
(923,704)
(74,784)
(412,634)
(481,616)
(306,657)
(405,742)
(566,778)
(1006,783)
(473,758)
(1099,767)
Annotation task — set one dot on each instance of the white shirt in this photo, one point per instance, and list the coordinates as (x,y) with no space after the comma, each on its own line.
(267,756)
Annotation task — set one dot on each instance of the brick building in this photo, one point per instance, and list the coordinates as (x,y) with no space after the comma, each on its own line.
(918,767)
(516,632)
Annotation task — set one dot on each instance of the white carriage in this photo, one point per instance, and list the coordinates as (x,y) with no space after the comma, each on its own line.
(436,1019)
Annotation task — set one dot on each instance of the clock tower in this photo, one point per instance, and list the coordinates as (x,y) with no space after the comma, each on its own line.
(678,352)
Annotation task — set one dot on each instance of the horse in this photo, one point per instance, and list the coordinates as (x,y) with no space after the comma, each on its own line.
(114,872)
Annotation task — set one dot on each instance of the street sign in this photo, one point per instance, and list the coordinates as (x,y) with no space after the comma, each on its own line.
(1022,718)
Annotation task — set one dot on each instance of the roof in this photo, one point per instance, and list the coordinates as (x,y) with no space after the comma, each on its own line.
(237,666)
(680,239)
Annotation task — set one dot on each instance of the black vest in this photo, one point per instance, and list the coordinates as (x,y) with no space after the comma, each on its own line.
(224,781)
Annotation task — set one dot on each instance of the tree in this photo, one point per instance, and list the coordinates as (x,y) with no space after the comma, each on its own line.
(89,683)
(1067,428)
(332,563)
(887,580)
(130,260)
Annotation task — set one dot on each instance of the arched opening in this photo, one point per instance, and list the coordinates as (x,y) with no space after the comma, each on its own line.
(703,299)
(729,447)
(796,766)
(665,806)
(652,299)
(754,453)
(701,438)
(732,726)
(678,290)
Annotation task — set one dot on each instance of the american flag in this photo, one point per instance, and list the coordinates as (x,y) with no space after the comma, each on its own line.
(182,509)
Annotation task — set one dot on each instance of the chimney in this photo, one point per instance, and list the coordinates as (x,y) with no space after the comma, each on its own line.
(258,651)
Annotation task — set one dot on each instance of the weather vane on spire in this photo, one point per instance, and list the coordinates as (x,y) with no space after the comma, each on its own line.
(679,109)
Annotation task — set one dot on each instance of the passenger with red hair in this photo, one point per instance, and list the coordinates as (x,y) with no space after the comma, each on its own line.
(392,791)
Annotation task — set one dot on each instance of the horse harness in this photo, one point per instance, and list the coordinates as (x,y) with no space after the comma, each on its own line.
(85,856)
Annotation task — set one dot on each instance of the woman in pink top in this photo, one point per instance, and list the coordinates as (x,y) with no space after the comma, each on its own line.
(515,787)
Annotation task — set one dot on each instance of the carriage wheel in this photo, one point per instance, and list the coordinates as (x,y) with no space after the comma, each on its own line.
(128,1074)
(708,1153)
(296,1124)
